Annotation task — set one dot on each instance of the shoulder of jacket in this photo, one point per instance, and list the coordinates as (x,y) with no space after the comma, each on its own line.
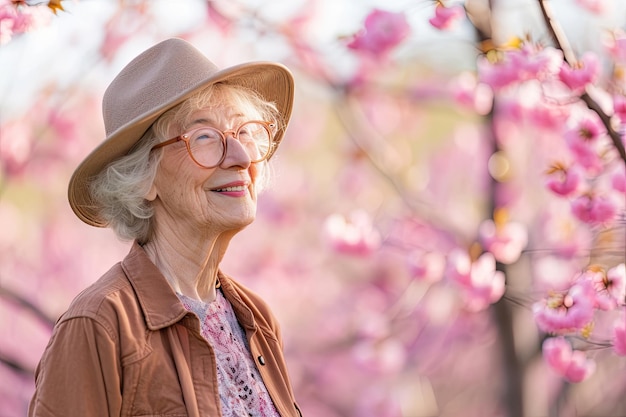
(101,296)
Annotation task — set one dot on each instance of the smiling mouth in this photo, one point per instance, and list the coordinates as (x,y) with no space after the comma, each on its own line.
(231,189)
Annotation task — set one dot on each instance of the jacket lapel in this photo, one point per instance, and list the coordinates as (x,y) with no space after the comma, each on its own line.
(161,307)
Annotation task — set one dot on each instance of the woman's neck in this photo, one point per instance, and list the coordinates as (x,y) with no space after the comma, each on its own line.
(190,266)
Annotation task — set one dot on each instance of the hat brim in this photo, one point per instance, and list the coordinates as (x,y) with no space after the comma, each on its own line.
(272,81)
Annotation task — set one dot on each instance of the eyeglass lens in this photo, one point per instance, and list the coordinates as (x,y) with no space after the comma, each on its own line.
(207,147)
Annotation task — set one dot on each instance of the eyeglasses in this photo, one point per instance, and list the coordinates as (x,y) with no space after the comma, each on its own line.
(207,145)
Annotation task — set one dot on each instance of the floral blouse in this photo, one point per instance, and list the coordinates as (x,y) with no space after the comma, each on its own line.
(242,391)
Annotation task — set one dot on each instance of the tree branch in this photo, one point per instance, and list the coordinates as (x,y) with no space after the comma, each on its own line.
(561,42)
(24,303)
(15,365)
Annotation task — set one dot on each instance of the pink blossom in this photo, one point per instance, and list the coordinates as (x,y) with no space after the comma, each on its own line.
(17,19)
(498,74)
(64,127)
(12,20)
(573,365)
(468,93)
(619,107)
(224,22)
(15,153)
(427,266)
(594,209)
(511,109)
(610,286)
(480,283)
(588,129)
(547,116)
(616,46)
(112,42)
(459,267)
(386,357)
(582,141)
(354,235)
(383,31)
(618,179)
(584,72)
(619,337)
(594,6)
(564,180)
(446,17)
(616,283)
(587,157)
(566,311)
(518,65)
(505,241)
(536,63)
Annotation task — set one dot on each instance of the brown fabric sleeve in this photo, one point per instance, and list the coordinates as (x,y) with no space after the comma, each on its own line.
(79,373)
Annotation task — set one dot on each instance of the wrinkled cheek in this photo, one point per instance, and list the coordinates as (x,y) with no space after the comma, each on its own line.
(259,176)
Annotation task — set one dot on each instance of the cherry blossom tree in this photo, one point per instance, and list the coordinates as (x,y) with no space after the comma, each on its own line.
(445,234)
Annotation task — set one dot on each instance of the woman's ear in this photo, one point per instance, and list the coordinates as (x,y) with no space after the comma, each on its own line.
(152,193)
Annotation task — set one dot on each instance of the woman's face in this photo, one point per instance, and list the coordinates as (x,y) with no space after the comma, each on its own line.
(189,198)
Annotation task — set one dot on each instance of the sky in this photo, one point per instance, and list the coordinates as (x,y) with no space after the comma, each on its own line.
(30,60)
(61,49)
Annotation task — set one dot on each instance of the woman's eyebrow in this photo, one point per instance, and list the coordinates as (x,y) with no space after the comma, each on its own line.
(211,122)
(200,122)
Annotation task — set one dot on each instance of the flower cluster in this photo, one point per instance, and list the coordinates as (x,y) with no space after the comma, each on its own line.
(354,235)
(571,364)
(446,17)
(500,184)
(18,17)
(382,32)
(572,312)
(535,85)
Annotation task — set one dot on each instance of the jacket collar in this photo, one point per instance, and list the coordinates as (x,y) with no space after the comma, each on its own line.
(161,307)
(159,303)
(241,309)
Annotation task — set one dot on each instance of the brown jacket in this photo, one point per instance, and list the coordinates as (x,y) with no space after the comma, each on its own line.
(127,347)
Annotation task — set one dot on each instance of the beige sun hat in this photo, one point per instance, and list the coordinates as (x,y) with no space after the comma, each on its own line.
(154,82)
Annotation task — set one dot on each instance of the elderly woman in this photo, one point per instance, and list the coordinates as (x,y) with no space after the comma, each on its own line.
(165,332)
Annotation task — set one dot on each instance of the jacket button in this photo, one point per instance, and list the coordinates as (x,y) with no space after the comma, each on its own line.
(261,360)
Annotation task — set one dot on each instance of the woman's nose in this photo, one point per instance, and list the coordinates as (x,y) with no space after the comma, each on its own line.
(236,154)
